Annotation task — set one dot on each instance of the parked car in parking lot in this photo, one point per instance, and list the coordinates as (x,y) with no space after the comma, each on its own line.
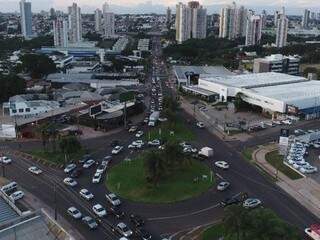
(5,160)
(69,168)
(139,134)
(35,170)
(136,220)
(76,173)
(154,143)
(308,169)
(69,182)
(88,163)
(96,177)
(17,195)
(101,168)
(116,211)
(142,234)
(200,125)
(223,186)
(116,150)
(90,222)
(133,129)
(86,194)
(123,229)
(99,210)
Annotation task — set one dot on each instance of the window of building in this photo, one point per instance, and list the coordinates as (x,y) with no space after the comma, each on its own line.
(20,110)
(14,111)
(27,109)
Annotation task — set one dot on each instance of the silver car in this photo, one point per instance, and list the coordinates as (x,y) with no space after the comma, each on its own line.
(223,186)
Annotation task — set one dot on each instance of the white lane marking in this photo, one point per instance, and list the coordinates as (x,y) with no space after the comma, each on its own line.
(219,176)
(185,215)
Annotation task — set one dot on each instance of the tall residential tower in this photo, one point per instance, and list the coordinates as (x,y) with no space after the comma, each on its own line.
(26,19)
(75,23)
(60,32)
(282,30)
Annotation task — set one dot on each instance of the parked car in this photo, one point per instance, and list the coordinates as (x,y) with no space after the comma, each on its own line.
(123,229)
(223,186)
(88,163)
(17,195)
(154,143)
(142,234)
(99,210)
(101,168)
(222,164)
(139,134)
(90,222)
(136,220)
(86,194)
(96,177)
(75,213)
(116,150)
(133,129)
(35,170)
(251,203)
(69,168)
(113,199)
(308,169)
(69,182)
(115,143)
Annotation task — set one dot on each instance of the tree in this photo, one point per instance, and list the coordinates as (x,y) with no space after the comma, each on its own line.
(11,85)
(234,221)
(37,65)
(69,145)
(154,166)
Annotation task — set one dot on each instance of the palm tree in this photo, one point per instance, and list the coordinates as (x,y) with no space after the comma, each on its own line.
(235,220)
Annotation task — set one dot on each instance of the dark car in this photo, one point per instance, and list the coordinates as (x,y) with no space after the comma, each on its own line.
(76,173)
(115,143)
(142,234)
(116,211)
(85,158)
(136,220)
(236,199)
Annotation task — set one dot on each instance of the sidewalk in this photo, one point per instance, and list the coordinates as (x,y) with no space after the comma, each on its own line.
(305,190)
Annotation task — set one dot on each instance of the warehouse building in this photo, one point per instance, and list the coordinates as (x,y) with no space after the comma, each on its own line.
(273,92)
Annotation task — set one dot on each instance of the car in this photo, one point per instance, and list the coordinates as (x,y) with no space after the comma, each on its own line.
(106,160)
(102,168)
(139,134)
(146,120)
(142,234)
(298,165)
(69,182)
(76,173)
(17,195)
(113,199)
(90,222)
(96,177)
(287,122)
(88,163)
(251,203)
(230,201)
(154,143)
(5,160)
(222,164)
(163,119)
(223,186)
(123,229)
(85,158)
(136,220)
(69,168)
(116,150)
(115,143)
(200,125)
(99,210)
(133,129)
(75,213)
(35,170)
(86,194)
(308,169)
(116,211)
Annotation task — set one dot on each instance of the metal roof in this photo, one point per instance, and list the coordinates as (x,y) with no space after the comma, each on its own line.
(6,212)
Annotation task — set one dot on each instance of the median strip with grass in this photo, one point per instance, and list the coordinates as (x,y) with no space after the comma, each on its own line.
(128,180)
(276,161)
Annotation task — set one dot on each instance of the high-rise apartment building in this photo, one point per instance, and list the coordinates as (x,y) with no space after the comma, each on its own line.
(108,21)
(191,21)
(264,19)
(282,30)
(75,23)
(276,17)
(26,19)
(254,29)
(305,19)
(233,21)
(60,32)
(168,16)
(98,20)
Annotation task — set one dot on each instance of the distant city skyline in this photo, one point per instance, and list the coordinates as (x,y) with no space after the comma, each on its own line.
(143,6)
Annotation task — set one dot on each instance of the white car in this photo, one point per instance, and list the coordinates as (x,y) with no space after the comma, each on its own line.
(96,177)
(17,195)
(86,194)
(5,160)
(113,199)
(308,169)
(251,203)
(298,165)
(88,163)
(69,168)
(223,186)
(75,213)
(70,182)
(102,168)
(116,150)
(139,134)
(222,164)
(99,210)
(200,124)
(133,129)
(154,142)
(123,229)
(287,122)
(35,170)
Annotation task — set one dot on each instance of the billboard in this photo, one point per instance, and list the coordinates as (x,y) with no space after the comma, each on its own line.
(94,110)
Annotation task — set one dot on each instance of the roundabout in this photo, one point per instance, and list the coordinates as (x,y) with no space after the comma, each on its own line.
(129,180)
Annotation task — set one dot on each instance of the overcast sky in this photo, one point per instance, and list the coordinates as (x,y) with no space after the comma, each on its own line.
(143,5)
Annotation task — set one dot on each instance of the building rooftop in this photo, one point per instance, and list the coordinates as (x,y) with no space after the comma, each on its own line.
(278,57)
(255,80)
(180,71)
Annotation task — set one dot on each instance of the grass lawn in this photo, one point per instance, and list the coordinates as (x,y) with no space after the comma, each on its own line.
(128,180)
(180,129)
(247,153)
(214,233)
(276,161)
(56,157)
